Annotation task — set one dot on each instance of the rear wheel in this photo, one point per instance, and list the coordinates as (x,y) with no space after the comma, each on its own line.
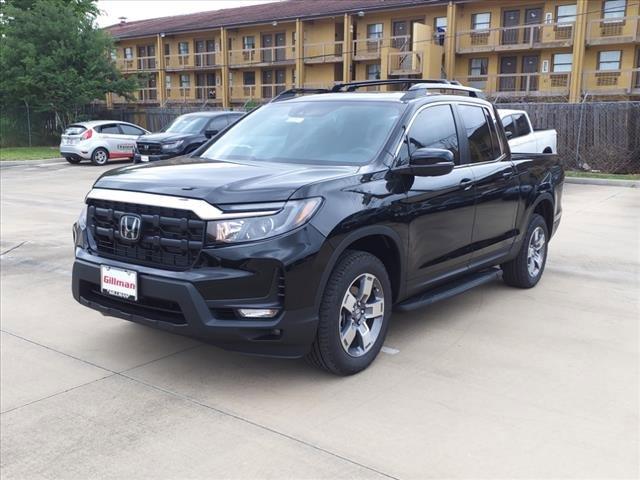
(354,315)
(100,156)
(526,269)
(73,160)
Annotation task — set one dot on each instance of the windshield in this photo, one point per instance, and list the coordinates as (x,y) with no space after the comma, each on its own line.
(187,124)
(333,132)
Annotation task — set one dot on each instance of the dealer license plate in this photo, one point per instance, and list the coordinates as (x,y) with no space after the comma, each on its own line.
(144,158)
(118,282)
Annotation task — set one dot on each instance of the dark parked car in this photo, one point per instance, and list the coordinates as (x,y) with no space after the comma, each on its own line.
(183,135)
(294,232)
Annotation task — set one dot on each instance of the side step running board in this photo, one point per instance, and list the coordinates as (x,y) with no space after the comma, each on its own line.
(448,290)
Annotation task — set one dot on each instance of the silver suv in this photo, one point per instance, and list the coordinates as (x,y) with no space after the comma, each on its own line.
(99,141)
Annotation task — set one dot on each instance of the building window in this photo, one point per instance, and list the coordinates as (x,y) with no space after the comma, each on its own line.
(609,60)
(167,49)
(481,21)
(249,78)
(183,48)
(128,53)
(566,14)
(478,66)
(562,62)
(185,80)
(114,54)
(614,9)
(249,42)
(373,71)
(374,30)
(440,29)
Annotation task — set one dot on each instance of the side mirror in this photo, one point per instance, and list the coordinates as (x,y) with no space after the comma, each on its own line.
(428,162)
(210,133)
(508,134)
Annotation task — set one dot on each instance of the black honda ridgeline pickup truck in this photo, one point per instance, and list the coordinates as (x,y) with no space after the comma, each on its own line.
(297,230)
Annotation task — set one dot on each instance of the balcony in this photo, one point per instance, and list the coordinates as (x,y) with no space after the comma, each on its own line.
(260,57)
(521,37)
(612,31)
(243,92)
(138,64)
(611,82)
(196,95)
(405,63)
(367,48)
(143,95)
(325,52)
(521,85)
(193,61)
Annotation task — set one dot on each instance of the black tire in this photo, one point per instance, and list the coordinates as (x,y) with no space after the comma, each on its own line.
(516,272)
(100,156)
(327,351)
(73,160)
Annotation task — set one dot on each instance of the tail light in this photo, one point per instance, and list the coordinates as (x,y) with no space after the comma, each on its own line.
(87,135)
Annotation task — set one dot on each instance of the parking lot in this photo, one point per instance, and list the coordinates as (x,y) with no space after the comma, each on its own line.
(497,382)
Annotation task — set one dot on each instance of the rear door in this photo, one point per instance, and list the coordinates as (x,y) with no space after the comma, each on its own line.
(119,144)
(496,185)
(439,210)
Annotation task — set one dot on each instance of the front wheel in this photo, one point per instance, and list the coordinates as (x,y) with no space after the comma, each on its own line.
(526,269)
(354,315)
(100,156)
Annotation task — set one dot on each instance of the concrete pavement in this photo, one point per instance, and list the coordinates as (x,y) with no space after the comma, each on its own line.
(497,382)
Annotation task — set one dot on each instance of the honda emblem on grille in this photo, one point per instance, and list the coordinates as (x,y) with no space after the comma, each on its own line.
(130,227)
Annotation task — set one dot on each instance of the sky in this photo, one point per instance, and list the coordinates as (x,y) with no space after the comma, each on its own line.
(143,9)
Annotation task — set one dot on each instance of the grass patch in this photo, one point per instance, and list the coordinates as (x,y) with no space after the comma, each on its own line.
(28,153)
(609,176)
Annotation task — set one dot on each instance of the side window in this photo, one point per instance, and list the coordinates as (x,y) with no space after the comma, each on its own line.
(522,125)
(435,127)
(130,129)
(217,123)
(509,126)
(110,129)
(478,133)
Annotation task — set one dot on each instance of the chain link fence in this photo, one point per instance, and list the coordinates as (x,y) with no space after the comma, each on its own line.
(593,136)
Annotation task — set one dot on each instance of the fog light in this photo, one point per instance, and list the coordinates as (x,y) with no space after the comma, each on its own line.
(257,312)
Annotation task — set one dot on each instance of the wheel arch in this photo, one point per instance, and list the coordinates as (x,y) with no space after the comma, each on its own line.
(544,207)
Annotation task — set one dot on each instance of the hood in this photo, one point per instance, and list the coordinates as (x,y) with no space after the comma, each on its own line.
(166,137)
(219,182)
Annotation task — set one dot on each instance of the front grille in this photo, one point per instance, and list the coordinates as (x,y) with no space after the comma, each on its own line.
(149,148)
(169,238)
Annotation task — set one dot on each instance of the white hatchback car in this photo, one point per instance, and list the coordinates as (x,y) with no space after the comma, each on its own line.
(99,141)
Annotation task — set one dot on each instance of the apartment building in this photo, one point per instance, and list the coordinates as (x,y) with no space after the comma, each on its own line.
(561,50)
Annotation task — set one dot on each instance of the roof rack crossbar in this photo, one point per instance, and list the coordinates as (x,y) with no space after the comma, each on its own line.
(292,92)
(353,86)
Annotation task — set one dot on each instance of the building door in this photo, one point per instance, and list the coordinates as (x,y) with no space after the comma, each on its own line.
(209,58)
(200,49)
(267,48)
(281,49)
(339,37)
(281,80)
(636,82)
(530,64)
(267,83)
(511,18)
(532,16)
(400,36)
(338,72)
(508,68)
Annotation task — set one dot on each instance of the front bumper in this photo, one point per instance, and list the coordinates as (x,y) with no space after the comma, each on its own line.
(202,302)
(137,158)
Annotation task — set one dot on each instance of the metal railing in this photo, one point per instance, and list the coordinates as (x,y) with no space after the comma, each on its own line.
(611,82)
(243,92)
(521,84)
(405,63)
(517,37)
(614,30)
(269,55)
(367,48)
(136,64)
(323,52)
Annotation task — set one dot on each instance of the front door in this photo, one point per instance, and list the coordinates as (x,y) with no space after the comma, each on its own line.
(511,18)
(529,82)
(200,49)
(281,49)
(508,67)
(209,57)
(532,16)
(496,185)
(267,83)
(439,210)
(267,48)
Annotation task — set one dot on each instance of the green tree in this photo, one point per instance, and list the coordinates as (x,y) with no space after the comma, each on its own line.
(53,58)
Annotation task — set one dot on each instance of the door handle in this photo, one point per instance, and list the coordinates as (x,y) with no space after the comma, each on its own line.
(466,183)
(508,173)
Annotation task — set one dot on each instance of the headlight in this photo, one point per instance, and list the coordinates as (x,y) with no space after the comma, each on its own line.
(172,145)
(82,219)
(293,214)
